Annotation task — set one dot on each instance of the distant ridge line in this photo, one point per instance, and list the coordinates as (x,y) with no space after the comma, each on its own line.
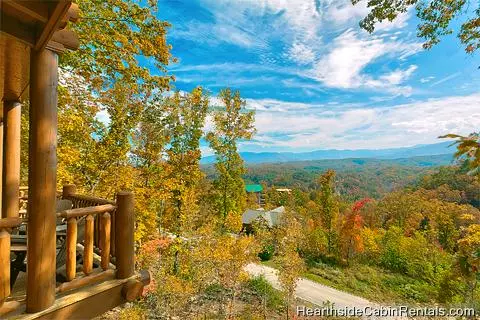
(443,148)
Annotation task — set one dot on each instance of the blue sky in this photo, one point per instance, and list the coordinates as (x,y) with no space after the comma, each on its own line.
(316,80)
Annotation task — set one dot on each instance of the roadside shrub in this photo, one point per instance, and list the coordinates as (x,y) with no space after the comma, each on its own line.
(267,253)
(262,288)
(392,256)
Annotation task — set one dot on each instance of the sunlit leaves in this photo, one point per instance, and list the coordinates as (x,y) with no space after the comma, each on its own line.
(435,16)
(468,147)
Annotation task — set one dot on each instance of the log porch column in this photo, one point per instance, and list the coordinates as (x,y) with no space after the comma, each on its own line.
(11,158)
(42,180)
(1,161)
(124,231)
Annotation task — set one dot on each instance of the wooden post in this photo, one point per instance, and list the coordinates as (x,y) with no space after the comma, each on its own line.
(69,190)
(11,158)
(4,265)
(42,181)
(105,239)
(1,162)
(88,252)
(71,248)
(124,241)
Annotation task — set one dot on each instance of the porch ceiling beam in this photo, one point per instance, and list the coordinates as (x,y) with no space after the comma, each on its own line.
(17,29)
(35,10)
(54,21)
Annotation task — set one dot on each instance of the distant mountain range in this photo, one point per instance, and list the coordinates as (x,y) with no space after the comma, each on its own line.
(442,148)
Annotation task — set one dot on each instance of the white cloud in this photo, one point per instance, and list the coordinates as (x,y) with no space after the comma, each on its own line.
(217,33)
(426,79)
(301,54)
(206,151)
(342,67)
(346,12)
(297,127)
(398,76)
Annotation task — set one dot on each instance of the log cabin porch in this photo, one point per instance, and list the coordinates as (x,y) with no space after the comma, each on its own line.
(54,264)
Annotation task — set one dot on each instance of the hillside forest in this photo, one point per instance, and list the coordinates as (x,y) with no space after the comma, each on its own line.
(386,231)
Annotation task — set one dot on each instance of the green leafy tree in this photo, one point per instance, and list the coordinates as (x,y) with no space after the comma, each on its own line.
(435,16)
(329,208)
(232,123)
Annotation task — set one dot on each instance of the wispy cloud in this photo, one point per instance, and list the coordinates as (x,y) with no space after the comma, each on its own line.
(344,64)
(426,79)
(339,62)
(306,127)
(447,78)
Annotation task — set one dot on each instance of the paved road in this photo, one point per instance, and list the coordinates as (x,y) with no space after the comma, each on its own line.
(311,291)
(318,294)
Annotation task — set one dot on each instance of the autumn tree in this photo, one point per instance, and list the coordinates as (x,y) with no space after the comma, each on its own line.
(115,35)
(232,123)
(185,120)
(402,209)
(291,265)
(469,258)
(110,170)
(351,231)
(148,144)
(456,179)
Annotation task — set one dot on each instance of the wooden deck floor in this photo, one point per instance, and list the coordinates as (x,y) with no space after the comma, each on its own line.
(19,290)
(83,303)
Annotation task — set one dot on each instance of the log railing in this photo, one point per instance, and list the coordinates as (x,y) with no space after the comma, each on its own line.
(6,226)
(83,201)
(88,214)
(23,198)
(102,219)
(94,228)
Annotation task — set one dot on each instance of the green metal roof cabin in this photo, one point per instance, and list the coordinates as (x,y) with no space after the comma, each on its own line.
(253,188)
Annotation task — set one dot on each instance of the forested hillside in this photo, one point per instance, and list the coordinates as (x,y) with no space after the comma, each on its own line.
(414,244)
(356,178)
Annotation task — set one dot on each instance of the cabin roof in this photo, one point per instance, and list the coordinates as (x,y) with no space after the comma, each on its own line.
(272,217)
(253,188)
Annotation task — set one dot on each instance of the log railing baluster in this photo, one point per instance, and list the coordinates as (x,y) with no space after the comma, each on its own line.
(71,248)
(88,253)
(105,239)
(112,235)
(6,225)
(4,265)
